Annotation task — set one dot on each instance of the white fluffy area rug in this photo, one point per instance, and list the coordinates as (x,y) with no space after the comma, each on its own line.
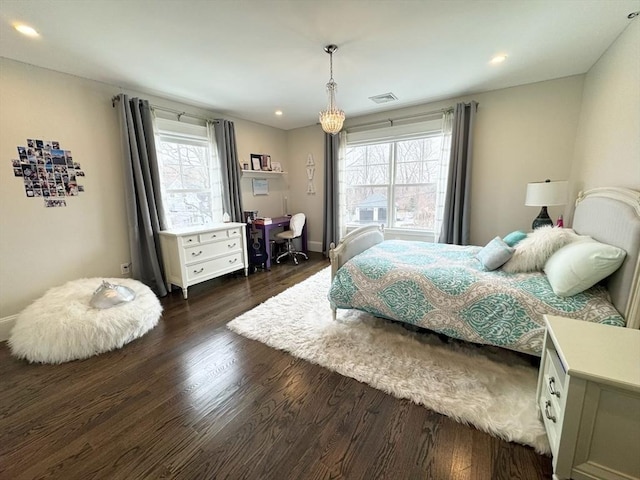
(61,325)
(490,388)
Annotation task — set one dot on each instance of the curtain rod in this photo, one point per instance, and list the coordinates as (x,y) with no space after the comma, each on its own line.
(398,119)
(178,113)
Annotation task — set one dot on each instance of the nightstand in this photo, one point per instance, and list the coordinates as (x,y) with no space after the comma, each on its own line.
(589,399)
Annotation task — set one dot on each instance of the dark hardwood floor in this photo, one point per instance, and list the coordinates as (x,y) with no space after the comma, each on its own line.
(192,400)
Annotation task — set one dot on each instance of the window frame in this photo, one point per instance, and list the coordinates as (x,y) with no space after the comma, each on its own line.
(393,136)
(181,133)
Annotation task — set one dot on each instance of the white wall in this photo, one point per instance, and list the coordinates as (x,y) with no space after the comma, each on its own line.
(523,134)
(255,138)
(607,150)
(302,143)
(44,247)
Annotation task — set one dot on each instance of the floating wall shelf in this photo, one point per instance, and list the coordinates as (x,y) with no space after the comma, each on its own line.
(261,173)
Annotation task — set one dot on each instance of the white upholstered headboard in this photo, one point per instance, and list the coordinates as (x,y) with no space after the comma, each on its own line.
(612,215)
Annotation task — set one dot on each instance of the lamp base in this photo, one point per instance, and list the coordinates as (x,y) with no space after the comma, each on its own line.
(542,219)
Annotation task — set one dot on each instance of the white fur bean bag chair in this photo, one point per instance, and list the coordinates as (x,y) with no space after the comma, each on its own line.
(62,326)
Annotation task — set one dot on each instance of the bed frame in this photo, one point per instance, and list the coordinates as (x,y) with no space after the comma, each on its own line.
(609,215)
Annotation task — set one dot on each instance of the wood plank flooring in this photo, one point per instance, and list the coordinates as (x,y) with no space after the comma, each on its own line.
(192,400)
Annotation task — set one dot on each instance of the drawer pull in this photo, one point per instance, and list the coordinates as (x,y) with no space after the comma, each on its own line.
(233,260)
(199,271)
(190,240)
(232,245)
(547,409)
(195,254)
(552,387)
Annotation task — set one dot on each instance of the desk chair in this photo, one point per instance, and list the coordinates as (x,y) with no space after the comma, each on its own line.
(296,224)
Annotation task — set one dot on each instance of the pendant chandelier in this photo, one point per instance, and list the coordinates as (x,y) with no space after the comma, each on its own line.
(332,118)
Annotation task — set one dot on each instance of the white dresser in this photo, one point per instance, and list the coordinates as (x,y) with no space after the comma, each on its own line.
(196,254)
(589,399)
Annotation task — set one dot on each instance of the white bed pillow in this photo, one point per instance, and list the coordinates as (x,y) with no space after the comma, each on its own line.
(494,254)
(580,265)
(533,252)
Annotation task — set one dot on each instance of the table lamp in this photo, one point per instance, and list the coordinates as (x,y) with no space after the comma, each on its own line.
(544,194)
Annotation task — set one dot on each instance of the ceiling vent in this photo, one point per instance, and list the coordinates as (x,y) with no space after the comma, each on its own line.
(384,98)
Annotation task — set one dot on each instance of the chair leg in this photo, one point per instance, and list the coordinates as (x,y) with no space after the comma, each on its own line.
(291,252)
(285,254)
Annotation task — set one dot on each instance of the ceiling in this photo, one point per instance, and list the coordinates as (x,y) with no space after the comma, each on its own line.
(248,58)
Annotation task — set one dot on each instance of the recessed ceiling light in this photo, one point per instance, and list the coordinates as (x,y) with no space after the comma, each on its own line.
(279,113)
(26,30)
(498,59)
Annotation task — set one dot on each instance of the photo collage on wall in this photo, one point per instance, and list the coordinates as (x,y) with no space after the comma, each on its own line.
(48,172)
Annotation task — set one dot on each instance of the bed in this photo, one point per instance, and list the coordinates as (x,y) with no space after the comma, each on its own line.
(444,288)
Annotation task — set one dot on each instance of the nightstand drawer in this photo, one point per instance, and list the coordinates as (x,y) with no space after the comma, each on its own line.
(552,420)
(555,376)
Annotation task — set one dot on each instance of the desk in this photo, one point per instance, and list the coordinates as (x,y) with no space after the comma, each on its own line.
(278,222)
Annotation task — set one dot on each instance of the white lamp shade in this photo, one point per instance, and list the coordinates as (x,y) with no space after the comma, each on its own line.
(543,194)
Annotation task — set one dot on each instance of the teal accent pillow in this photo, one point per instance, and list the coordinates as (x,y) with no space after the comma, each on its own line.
(495,254)
(514,238)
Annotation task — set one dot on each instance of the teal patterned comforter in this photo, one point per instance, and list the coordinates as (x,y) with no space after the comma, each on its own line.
(444,288)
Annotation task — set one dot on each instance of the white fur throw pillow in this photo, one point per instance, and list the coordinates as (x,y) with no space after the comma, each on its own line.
(532,253)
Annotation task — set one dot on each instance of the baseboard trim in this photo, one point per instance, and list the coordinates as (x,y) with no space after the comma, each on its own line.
(6,324)
(314,246)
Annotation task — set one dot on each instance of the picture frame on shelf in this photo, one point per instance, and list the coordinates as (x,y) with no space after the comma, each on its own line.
(266,163)
(256,161)
(276,167)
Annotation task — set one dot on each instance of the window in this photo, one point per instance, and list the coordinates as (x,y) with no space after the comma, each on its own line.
(189,175)
(393,176)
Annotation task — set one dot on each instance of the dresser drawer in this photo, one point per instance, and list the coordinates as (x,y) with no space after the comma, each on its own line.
(213,236)
(189,240)
(204,251)
(213,267)
(220,235)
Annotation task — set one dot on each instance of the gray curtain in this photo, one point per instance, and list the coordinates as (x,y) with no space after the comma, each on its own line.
(455,225)
(142,192)
(230,169)
(330,214)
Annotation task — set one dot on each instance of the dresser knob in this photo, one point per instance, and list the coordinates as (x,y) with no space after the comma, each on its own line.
(199,271)
(231,245)
(233,260)
(552,387)
(195,254)
(547,409)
